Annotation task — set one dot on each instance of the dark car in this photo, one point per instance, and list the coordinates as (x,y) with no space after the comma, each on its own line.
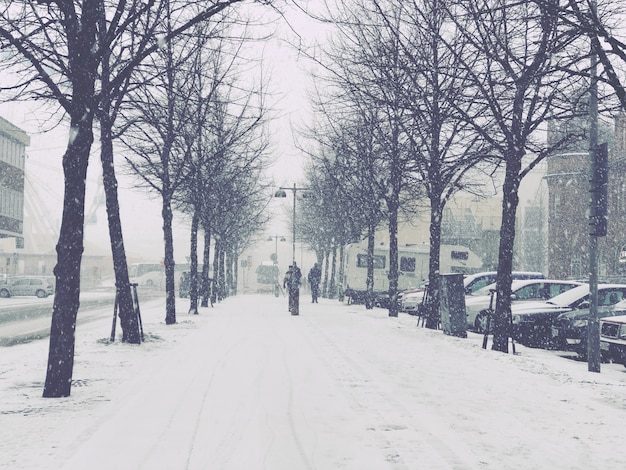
(532,321)
(184,284)
(613,339)
(569,330)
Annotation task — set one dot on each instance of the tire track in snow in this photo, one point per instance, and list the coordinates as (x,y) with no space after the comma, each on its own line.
(406,440)
(290,414)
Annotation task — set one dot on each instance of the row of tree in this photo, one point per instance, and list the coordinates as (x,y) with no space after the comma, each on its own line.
(424,98)
(160,80)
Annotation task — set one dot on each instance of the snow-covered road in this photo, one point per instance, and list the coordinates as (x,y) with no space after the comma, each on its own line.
(245,385)
(259,388)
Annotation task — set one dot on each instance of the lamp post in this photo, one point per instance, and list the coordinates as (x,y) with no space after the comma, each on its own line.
(282,193)
(294,279)
(275,238)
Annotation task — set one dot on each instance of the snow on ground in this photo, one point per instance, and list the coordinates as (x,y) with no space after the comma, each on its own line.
(245,385)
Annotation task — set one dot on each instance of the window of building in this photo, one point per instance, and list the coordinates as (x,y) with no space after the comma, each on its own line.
(407,264)
(380,261)
(576,267)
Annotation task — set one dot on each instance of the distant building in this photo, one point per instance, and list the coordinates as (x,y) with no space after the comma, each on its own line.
(13,143)
(568,209)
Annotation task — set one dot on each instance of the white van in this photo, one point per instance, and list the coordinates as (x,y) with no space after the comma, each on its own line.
(412,267)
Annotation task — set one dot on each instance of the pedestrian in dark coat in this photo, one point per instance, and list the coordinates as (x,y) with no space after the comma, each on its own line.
(292,280)
(315,277)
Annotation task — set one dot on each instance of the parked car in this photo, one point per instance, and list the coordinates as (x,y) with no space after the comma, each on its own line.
(569,330)
(184,284)
(532,321)
(412,298)
(39,286)
(151,279)
(613,339)
(522,290)
(473,282)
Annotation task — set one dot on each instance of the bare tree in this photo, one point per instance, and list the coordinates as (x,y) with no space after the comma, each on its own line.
(365,59)
(56,54)
(515,56)
(162,107)
(347,186)
(444,145)
(602,23)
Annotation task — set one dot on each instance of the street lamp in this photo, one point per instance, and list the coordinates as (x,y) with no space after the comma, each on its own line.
(275,238)
(282,193)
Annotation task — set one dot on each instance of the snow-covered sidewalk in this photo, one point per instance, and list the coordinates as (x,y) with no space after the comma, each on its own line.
(245,385)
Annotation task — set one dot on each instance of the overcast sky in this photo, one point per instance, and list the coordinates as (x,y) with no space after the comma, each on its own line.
(289,83)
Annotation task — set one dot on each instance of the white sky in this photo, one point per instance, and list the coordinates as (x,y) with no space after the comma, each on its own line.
(141,214)
(245,385)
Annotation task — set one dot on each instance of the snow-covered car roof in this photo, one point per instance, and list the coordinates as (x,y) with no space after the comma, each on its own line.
(616,319)
(519,283)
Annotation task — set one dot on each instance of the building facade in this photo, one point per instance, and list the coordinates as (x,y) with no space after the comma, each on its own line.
(13,143)
(568,212)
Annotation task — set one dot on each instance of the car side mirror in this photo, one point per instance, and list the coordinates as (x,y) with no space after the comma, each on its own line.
(513,296)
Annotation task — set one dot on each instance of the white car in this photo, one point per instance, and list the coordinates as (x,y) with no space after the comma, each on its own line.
(477,304)
(152,279)
(35,285)
(473,282)
(411,300)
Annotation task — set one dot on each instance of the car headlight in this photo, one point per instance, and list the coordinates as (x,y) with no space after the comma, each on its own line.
(580,323)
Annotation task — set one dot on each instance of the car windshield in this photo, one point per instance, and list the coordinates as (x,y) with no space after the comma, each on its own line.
(515,285)
(485,290)
(570,296)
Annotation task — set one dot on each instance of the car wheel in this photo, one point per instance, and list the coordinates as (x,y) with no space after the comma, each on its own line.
(41,294)
(480,323)
(4,293)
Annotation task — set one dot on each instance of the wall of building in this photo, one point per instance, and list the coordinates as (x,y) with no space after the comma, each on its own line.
(13,143)
(568,239)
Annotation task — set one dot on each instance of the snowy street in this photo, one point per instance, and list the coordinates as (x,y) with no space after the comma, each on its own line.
(245,385)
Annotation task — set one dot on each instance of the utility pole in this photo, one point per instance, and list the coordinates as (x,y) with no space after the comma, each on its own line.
(598,210)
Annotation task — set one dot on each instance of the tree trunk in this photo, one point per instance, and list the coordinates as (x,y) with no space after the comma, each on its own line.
(216,269)
(69,256)
(510,200)
(434,280)
(168,238)
(206,263)
(393,258)
(326,269)
(332,289)
(221,289)
(229,273)
(369,281)
(82,37)
(193,264)
(341,273)
(128,319)
(235,273)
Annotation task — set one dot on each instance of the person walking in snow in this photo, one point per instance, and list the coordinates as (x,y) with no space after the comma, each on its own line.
(315,277)
(293,276)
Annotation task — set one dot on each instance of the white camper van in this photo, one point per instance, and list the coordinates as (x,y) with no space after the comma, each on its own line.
(412,264)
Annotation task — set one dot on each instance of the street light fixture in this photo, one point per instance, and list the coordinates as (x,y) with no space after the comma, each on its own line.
(275,238)
(282,192)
